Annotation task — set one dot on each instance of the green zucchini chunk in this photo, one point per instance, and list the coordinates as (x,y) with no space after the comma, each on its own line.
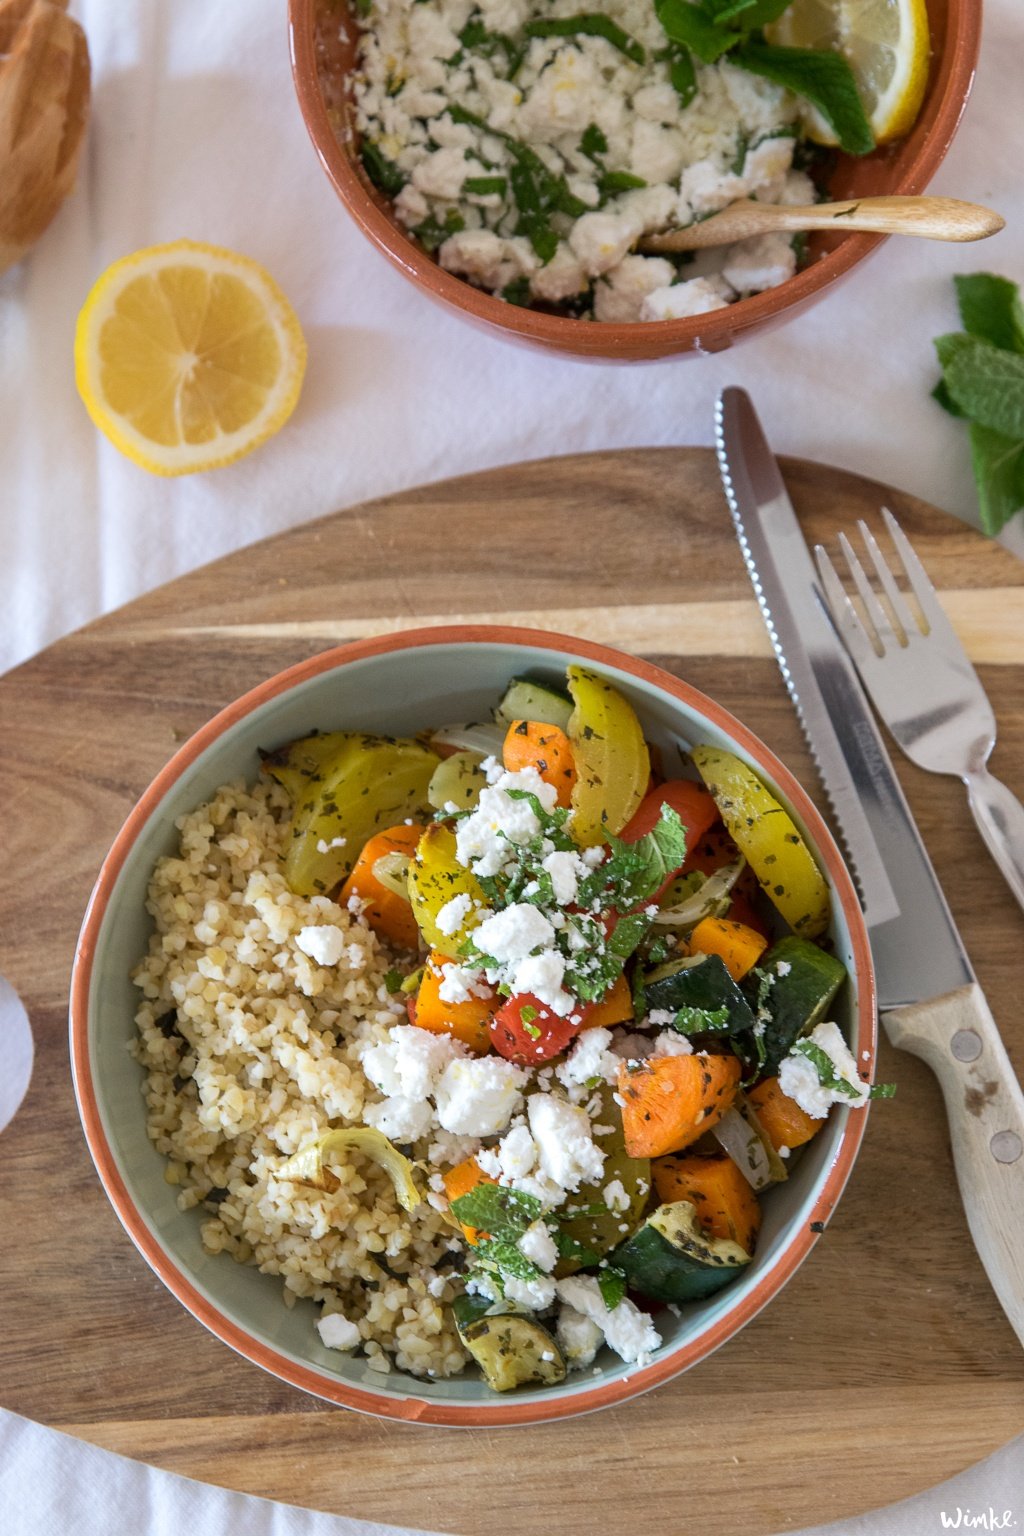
(671,1259)
(703,982)
(511,1348)
(525,699)
(799,998)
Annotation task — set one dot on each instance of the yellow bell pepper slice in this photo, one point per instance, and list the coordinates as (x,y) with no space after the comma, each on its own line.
(435,877)
(767,837)
(613,765)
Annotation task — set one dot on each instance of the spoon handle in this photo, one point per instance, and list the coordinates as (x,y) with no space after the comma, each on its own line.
(933,218)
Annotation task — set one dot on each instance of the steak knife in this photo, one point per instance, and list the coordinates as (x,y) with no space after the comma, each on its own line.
(929,998)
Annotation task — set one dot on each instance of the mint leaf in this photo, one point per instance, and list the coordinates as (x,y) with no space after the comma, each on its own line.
(613,182)
(627,934)
(384,173)
(682,73)
(612,1283)
(688,24)
(941,394)
(502,1255)
(947,347)
(393,981)
(988,384)
(481,186)
(503,1213)
(990,308)
(590,24)
(824,78)
(823,1064)
(570,1248)
(749,14)
(883,1091)
(700,1021)
(998,464)
(593,142)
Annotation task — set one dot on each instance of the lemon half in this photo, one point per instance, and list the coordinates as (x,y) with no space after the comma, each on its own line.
(188,356)
(885,42)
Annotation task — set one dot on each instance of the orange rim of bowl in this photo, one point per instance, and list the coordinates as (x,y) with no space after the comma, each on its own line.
(411,1408)
(712,332)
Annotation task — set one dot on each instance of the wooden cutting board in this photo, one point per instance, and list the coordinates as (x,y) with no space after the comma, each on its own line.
(884,1367)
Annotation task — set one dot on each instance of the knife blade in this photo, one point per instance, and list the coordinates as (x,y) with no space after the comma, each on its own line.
(929,997)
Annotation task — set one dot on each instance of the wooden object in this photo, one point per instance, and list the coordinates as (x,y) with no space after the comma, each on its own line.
(885,1365)
(931,218)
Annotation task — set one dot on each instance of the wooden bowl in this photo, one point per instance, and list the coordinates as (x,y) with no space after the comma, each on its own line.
(404,683)
(905,168)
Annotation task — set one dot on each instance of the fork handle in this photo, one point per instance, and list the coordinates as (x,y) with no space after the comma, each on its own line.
(956,1035)
(999,816)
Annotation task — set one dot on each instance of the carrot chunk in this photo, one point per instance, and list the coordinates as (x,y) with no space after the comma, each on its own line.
(458,1181)
(670,1101)
(726,1204)
(529,744)
(780,1117)
(739,947)
(468,1021)
(388,914)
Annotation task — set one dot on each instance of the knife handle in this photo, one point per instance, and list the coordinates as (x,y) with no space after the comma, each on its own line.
(957,1036)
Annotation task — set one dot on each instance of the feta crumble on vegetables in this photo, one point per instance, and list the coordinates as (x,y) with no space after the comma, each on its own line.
(532,164)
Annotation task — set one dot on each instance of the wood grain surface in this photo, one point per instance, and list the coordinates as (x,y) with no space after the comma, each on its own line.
(885,1366)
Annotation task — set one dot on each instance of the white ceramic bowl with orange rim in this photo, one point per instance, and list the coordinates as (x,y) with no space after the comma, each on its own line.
(401,684)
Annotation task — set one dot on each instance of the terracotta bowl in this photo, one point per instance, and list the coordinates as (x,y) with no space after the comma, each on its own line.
(318,54)
(404,683)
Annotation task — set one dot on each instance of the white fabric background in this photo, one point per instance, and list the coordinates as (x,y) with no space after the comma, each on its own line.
(196,132)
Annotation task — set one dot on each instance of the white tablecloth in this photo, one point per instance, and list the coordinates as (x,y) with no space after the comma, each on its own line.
(196,132)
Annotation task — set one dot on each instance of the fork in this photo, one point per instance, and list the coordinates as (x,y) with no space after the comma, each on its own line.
(924,687)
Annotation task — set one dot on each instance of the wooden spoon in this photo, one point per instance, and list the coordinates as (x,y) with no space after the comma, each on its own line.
(933,218)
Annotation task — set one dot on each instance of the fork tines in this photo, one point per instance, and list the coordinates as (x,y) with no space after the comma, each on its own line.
(877,629)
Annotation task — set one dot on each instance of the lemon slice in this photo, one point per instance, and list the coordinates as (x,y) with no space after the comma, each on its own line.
(887,46)
(188,356)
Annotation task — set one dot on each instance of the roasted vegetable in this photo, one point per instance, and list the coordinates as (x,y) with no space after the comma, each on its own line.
(363,785)
(307,1166)
(689,899)
(528,1032)
(780,1117)
(768,838)
(457,780)
(386,909)
(741,1136)
(726,1204)
(468,1021)
(616,1007)
(692,803)
(702,984)
(586,1219)
(670,1258)
(458,1181)
(613,765)
(545,748)
(738,947)
(512,1349)
(800,981)
(436,877)
(669,1101)
(526,699)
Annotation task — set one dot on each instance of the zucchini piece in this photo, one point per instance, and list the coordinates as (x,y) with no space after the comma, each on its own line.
(699,981)
(671,1259)
(510,1348)
(586,1219)
(799,998)
(526,699)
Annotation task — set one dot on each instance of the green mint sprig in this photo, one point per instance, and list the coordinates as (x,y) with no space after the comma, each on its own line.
(828,1077)
(983,382)
(714,29)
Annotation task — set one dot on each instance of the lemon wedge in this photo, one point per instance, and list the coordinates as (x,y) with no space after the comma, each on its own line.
(188,356)
(886,44)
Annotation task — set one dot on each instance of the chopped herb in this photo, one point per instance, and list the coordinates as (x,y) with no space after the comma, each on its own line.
(823,1064)
(515,292)
(700,1021)
(882,1091)
(393,980)
(613,1286)
(528,1013)
(485,186)
(432,234)
(593,142)
(503,1213)
(384,173)
(590,24)
(613,182)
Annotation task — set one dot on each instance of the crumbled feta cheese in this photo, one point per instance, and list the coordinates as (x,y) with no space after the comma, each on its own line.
(480,839)
(541,976)
(537,1244)
(671,1043)
(627,1330)
(459,983)
(537,1294)
(764,262)
(566,1150)
(562,277)
(478,1096)
(400,1119)
(337,1332)
(615,1196)
(321,943)
(513,933)
(619,295)
(697,296)
(454,913)
(515,1156)
(798,1077)
(578,1336)
(782,967)
(566,870)
(410,1061)
(589,1058)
